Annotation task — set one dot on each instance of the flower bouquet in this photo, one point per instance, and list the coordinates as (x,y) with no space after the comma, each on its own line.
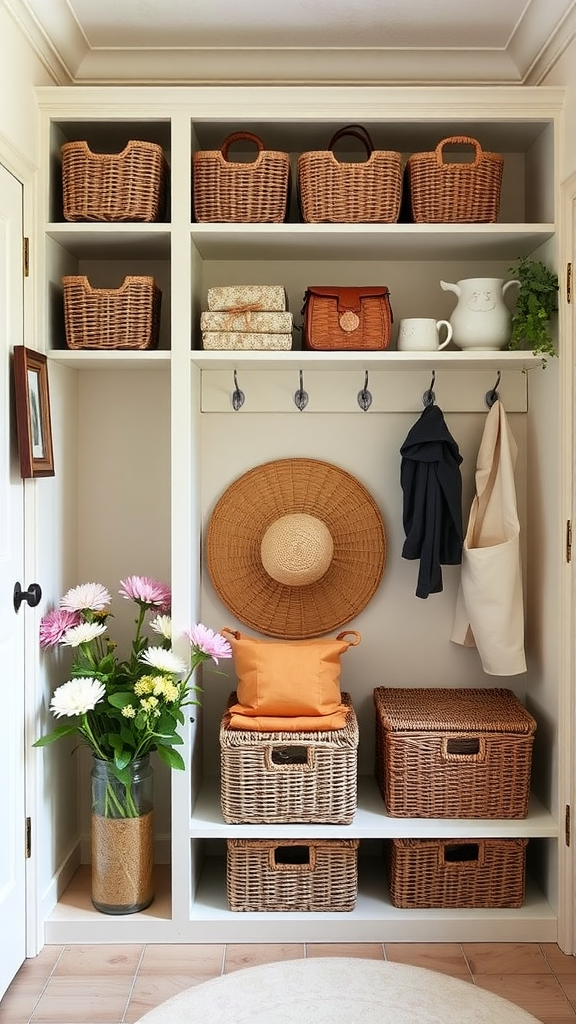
(125,709)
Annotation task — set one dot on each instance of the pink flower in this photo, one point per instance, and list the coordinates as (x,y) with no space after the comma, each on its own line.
(206,641)
(146,591)
(55,623)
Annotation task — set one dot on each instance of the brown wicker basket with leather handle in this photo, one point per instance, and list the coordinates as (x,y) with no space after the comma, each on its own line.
(237,191)
(126,186)
(443,191)
(340,318)
(350,192)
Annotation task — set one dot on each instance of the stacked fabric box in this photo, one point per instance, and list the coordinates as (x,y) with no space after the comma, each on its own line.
(247,317)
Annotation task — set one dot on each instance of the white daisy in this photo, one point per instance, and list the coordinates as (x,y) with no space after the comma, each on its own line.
(162,624)
(76,697)
(165,661)
(86,597)
(82,634)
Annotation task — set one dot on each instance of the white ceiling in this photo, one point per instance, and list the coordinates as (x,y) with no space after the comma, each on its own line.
(376,41)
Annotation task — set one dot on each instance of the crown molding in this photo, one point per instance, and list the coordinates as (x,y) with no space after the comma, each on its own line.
(64,51)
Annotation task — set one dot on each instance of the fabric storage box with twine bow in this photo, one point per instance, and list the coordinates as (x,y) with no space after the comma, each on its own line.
(439,190)
(246,317)
(456,872)
(292,874)
(126,186)
(350,192)
(127,317)
(461,753)
(234,191)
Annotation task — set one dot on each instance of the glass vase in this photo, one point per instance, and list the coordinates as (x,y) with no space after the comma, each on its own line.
(122,836)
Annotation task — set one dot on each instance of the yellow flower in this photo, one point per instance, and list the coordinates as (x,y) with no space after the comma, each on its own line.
(164,687)
(129,711)
(149,703)
(144,685)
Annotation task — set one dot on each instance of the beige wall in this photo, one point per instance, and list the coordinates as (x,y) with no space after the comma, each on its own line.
(20,71)
(564,74)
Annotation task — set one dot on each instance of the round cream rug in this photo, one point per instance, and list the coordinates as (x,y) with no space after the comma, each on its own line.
(336,991)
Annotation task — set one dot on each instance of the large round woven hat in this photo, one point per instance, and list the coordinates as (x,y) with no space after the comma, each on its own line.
(295,548)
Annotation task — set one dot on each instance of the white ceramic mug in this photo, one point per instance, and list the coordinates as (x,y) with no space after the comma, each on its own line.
(422,334)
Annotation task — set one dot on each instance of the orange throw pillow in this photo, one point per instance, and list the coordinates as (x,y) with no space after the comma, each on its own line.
(291,678)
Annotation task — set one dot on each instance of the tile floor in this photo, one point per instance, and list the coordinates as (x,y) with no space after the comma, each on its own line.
(117,984)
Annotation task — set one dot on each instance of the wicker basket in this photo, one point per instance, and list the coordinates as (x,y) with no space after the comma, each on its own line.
(461,753)
(240,192)
(126,186)
(275,777)
(350,193)
(456,872)
(443,192)
(292,874)
(127,317)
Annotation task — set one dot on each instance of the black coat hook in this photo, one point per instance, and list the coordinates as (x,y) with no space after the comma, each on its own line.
(364,396)
(428,398)
(492,396)
(238,396)
(301,396)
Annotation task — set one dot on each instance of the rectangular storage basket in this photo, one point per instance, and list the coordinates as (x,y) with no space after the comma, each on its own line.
(456,872)
(127,317)
(442,191)
(275,777)
(346,192)
(292,874)
(126,186)
(461,753)
(233,191)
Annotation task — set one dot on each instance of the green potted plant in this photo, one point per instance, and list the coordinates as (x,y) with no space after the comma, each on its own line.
(535,306)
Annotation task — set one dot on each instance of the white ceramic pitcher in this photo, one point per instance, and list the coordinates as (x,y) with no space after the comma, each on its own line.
(481,320)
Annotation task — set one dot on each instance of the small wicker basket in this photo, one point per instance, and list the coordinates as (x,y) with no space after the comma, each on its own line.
(126,186)
(443,192)
(239,192)
(127,317)
(278,777)
(292,874)
(350,193)
(456,872)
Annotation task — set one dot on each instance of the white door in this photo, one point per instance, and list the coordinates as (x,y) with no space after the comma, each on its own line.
(12,791)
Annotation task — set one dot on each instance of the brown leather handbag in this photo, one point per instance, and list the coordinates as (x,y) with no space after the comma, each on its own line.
(337,318)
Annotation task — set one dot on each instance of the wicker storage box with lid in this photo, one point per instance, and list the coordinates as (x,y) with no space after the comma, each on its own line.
(127,317)
(453,753)
(276,777)
(292,874)
(442,191)
(126,186)
(456,872)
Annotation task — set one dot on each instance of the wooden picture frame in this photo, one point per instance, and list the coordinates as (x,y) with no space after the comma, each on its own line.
(33,419)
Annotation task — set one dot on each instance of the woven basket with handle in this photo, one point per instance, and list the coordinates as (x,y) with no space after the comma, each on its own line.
(443,191)
(233,191)
(126,186)
(350,192)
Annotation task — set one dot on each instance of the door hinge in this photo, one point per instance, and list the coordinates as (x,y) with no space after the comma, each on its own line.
(568,540)
(567,825)
(568,282)
(26,257)
(28,838)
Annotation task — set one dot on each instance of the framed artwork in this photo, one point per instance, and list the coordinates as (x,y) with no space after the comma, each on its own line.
(33,413)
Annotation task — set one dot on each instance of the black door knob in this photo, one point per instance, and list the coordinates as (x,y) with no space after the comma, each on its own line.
(33,595)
